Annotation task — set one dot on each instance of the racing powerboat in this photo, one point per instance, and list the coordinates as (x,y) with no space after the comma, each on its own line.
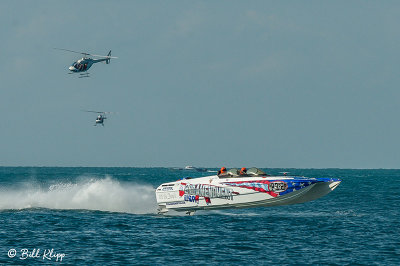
(198,169)
(190,168)
(234,190)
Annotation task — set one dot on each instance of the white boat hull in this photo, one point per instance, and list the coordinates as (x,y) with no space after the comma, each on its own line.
(213,192)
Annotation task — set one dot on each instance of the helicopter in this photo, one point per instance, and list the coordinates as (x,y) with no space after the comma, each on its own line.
(82,65)
(100,117)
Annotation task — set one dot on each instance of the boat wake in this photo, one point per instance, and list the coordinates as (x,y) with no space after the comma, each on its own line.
(103,194)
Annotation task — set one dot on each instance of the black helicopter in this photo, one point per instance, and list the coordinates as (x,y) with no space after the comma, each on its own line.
(100,117)
(82,65)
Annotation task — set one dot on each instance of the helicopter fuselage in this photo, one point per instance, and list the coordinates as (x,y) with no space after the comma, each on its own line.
(84,64)
(100,119)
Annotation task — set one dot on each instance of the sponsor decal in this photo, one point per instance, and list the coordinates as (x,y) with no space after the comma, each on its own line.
(191,198)
(193,192)
(166,195)
(176,202)
(277,186)
(167,188)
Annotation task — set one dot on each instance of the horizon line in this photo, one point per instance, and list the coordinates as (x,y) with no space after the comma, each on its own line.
(316,168)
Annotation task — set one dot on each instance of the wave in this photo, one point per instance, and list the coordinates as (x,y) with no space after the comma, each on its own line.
(105,194)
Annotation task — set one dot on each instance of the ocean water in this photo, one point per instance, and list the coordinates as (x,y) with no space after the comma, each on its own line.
(107,216)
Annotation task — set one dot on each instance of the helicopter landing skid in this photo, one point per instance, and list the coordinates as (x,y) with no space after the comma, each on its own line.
(84,75)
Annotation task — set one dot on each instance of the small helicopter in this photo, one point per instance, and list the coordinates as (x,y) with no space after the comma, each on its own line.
(82,65)
(100,117)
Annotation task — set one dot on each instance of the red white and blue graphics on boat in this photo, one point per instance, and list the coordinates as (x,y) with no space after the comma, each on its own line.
(276,188)
(272,188)
(236,191)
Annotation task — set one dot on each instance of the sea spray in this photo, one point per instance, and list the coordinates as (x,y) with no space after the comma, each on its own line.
(103,194)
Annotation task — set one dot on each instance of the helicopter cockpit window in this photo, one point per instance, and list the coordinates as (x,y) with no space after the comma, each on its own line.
(255,172)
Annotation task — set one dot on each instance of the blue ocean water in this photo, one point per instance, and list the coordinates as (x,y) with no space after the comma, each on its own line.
(107,216)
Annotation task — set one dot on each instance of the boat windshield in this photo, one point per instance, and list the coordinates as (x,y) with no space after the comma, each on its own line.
(234,172)
(255,171)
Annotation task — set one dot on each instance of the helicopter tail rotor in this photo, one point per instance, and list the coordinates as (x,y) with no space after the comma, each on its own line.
(109,56)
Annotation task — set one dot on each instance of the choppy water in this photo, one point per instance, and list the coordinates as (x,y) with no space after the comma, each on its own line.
(107,216)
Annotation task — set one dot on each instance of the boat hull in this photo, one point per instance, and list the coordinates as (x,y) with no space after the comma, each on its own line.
(214,192)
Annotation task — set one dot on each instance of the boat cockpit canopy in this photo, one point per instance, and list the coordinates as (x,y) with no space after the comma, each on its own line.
(255,172)
(234,172)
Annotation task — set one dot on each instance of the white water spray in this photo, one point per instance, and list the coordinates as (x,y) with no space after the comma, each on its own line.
(94,194)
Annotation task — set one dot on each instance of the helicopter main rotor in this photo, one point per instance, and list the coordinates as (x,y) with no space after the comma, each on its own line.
(97,112)
(86,54)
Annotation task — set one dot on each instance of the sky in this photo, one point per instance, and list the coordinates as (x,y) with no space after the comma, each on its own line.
(284,84)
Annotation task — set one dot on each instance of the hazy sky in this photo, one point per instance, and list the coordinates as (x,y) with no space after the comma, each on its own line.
(204,83)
